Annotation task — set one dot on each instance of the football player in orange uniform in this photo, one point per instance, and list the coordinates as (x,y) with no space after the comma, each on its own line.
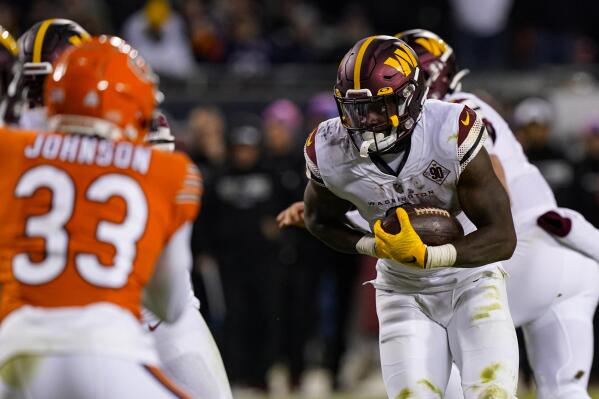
(187,352)
(93,222)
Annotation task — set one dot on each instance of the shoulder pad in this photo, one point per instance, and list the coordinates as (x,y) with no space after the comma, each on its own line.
(312,170)
(471,136)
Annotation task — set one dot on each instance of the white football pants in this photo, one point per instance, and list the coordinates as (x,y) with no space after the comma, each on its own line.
(420,335)
(553,292)
(190,357)
(82,377)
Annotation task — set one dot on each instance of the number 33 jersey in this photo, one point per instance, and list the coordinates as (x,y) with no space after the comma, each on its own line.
(446,138)
(85,219)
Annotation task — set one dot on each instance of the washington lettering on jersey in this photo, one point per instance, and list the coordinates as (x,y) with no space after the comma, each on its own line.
(403,199)
(86,150)
(446,138)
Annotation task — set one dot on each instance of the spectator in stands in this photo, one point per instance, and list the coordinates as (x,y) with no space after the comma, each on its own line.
(158,32)
(586,183)
(481,38)
(300,36)
(533,118)
(320,108)
(206,147)
(296,281)
(94,15)
(238,208)
(206,132)
(206,35)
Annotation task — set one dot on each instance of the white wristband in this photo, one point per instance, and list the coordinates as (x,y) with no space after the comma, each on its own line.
(366,246)
(440,256)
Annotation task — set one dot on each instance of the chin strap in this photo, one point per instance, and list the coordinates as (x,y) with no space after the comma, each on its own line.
(364,148)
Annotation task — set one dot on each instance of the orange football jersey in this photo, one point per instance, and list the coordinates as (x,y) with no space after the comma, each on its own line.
(84,219)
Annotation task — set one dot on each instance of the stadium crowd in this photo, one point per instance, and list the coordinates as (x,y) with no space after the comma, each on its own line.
(251,35)
(281,297)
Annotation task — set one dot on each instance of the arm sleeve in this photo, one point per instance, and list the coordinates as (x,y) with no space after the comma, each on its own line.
(486,120)
(472,135)
(167,292)
(312,170)
(188,195)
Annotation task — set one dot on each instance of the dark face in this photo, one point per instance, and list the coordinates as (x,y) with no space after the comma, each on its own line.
(376,116)
(244,156)
(534,135)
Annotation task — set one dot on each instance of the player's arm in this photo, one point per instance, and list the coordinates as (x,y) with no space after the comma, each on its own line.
(486,203)
(324,216)
(168,290)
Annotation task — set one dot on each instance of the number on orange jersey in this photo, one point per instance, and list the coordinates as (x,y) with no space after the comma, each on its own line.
(51,227)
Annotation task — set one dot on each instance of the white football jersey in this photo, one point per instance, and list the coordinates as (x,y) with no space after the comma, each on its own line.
(530,194)
(446,138)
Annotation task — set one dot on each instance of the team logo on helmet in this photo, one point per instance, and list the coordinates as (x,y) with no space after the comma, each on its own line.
(379,93)
(438,61)
(402,60)
(435,47)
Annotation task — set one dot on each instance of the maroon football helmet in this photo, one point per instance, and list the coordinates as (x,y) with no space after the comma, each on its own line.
(379,92)
(438,61)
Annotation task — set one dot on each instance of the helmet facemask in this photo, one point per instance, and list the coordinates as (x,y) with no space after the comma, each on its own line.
(376,124)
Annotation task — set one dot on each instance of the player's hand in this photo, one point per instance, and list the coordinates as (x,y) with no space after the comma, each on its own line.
(405,247)
(292,216)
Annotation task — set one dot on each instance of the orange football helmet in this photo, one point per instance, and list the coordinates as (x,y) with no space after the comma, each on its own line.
(102,87)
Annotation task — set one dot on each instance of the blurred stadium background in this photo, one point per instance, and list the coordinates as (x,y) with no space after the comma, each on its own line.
(245,80)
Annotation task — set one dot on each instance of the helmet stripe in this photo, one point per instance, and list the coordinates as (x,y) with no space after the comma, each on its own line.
(358,64)
(39,40)
(8,41)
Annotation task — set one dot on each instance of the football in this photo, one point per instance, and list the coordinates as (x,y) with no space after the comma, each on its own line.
(435,226)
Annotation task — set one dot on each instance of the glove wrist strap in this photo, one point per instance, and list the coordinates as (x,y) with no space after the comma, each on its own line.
(366,245)
(440,256)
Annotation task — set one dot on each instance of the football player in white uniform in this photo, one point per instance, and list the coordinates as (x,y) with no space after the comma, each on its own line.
(553,287)
(187,350)
(436,304)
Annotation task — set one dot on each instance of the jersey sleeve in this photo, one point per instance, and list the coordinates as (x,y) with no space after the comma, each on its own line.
(472,135)
(167,292)
(488,120)
(312,170)
(187,198)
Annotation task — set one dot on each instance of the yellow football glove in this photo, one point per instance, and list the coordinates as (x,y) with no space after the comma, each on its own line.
(404,247)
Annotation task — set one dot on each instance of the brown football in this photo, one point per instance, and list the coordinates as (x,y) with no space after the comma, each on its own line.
(435,226)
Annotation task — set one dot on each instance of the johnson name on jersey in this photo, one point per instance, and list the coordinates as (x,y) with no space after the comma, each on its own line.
(84,221)
(446,138)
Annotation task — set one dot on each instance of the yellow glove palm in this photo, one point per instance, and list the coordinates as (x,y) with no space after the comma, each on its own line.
(404,247)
